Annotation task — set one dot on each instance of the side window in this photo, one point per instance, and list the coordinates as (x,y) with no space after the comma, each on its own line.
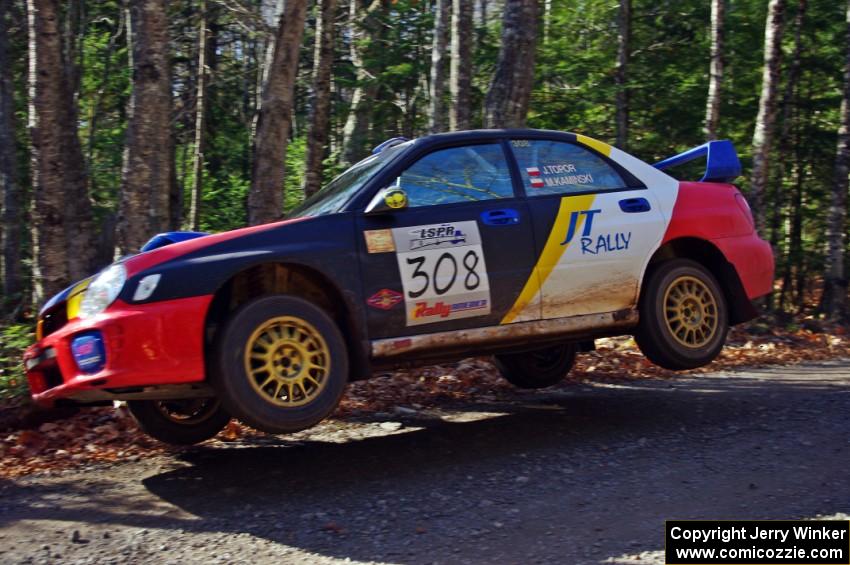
(457,174)
(555,167)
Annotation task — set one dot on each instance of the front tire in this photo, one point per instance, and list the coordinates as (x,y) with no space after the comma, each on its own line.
(683,316)
(539,368)
(180,422)
(281,364)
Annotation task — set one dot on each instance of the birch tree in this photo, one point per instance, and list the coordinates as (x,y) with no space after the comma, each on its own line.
(203,78)
(144,209)
(766,118)
(715,73)
(437,110)
(362,25)
(265,197)
(320,109)
(510,89)
(460,81)
(624,25)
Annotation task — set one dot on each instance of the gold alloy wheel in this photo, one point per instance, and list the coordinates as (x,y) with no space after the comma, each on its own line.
(287,361)
(690,311)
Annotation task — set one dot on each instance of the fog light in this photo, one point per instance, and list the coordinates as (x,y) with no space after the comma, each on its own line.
(89,352)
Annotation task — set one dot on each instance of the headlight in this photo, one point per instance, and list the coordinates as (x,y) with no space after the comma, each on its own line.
(103,290)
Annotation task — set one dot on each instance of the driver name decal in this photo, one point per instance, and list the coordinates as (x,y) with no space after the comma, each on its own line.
(443,272)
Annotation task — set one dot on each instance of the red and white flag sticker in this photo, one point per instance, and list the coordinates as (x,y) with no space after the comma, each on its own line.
(534,177)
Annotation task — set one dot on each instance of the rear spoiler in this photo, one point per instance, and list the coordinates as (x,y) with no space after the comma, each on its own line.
(721,161)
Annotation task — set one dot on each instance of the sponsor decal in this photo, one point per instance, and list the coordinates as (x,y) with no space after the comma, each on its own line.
(379,241)
(385,299)
(534,177)
(443,310)
(402,343)
(594,244)
(443,271)
(618,241)
(395,199)
(434,236)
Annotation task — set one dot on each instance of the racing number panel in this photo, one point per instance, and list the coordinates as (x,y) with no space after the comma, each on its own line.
(455,258)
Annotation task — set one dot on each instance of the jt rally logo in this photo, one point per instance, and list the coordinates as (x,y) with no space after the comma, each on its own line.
(590,244)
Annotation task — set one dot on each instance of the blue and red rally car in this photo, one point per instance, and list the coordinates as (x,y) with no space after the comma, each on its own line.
(521,244)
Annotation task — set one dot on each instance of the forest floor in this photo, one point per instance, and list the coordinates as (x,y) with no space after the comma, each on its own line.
(29,443)
(581,473)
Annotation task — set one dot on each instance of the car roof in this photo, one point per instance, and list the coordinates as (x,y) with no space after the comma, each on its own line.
(484,134)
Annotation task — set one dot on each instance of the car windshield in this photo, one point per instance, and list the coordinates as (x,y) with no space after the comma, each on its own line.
(339,191)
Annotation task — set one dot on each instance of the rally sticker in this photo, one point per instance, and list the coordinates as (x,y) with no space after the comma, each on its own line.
(385,299)
(443,272)
(379,241)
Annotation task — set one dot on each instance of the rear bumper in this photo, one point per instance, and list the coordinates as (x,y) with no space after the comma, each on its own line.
(151,345)
(752,258)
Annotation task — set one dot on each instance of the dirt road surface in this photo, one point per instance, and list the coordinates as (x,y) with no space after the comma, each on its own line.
(585,474)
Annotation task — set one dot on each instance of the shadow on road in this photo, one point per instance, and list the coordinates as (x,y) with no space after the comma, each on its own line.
(571,476)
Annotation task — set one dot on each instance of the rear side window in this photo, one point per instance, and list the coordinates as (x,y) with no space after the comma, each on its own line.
(457,174)
(555,167)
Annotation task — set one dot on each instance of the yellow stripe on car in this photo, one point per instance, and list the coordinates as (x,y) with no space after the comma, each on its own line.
(552,251)
(600,146)
(75,298)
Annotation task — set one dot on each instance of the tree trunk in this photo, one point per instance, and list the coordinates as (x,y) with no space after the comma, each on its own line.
(437,113)
(200,119)
(356,127)
(63,242)
(482,27)
(790,99)
(146,174)
(510,90)
(460,81)
(624,32)
(715,73)
(320,110)
(835,280)
(265,198)
(10,236)
(763,134)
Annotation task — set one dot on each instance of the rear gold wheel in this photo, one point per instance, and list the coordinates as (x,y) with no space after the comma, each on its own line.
(683,315)
(690,311)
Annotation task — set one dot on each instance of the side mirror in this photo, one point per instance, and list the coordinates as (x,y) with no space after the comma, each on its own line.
(387,200)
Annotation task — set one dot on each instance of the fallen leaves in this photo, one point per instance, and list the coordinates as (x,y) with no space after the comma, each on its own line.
(105,435)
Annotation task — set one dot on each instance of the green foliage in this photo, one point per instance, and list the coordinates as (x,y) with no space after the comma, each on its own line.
(13,340)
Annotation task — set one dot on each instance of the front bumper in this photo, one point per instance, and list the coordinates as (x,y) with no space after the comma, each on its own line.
(152,345)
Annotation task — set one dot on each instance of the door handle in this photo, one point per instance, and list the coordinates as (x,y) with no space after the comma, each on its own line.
(634,205)
(504,217)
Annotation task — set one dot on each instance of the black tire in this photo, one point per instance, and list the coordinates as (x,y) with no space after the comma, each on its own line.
(305,333)
(684,333)
(539,368)
(180,422)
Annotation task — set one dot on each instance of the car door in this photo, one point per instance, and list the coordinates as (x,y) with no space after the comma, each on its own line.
(595,227)
(459,252)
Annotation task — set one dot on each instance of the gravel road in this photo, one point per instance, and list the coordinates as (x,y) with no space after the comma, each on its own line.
(586,474)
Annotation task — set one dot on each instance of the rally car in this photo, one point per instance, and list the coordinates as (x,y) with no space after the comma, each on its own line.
(521,244)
